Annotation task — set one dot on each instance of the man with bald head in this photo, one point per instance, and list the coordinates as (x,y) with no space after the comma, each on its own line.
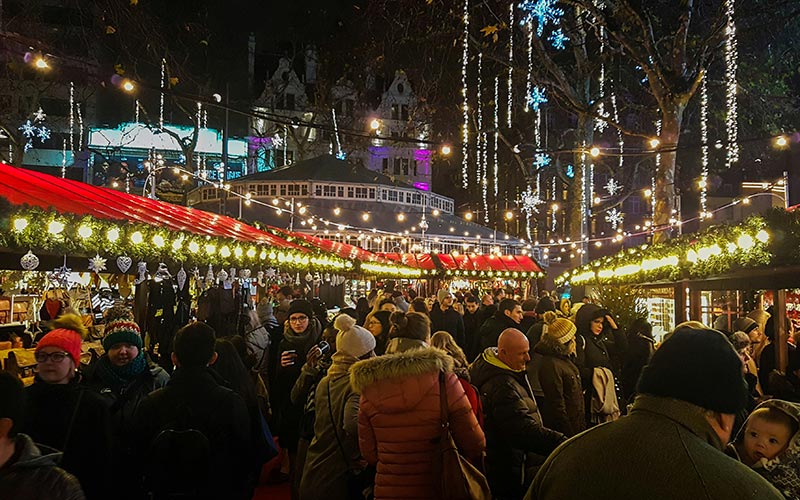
(516,441)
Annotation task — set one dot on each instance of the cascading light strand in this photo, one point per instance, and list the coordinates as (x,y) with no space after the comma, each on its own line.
(510,81)
(496,134)
(465,97)
(704,148)
(731,66)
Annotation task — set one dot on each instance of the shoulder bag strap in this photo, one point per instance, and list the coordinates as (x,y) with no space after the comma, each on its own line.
(443,398)
(72,420)
(335,431)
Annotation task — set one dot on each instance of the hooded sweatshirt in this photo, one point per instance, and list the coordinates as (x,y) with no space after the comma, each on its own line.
(399,419)
(782,471)
(33,473)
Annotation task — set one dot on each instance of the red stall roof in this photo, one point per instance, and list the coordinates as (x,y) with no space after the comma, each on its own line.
(20,186)
(343,250)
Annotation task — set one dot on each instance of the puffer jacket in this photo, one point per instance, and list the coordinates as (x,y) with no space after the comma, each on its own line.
(562,405)
(515,435)
(492,328)
(35,474)
(399,419)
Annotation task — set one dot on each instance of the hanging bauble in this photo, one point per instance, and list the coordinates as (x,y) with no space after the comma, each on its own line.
(309,277)
(297,281)
(97,264)
(246,273)
(270,273)
(222,275)
(232,273)
(181,278)
(210,273)
(328,277)
(124,263)
(29,261)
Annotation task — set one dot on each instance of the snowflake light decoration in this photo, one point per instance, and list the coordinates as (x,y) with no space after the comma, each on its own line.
(536,98)
(341,155)
(43,133)
(541,160)
(35,129)
(28,129)
(613,187)
(97,264)
(39,115)
(614,217)
(600,124)
(543,11)
(530,201)
(570,171)
(557,39)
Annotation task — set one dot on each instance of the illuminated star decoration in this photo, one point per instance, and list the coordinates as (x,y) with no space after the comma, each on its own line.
(541,160)
(39,115)
(536,98)
(35,129)
(613,187)
(557,39)
(614,217)
(530,201)
(543,11)
(97,264)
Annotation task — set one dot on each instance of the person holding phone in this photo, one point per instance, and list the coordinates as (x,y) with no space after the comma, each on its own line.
(301,332)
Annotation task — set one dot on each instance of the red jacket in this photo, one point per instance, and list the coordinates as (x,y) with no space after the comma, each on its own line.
(399,419)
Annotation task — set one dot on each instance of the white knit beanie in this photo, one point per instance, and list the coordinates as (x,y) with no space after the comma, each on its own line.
(352,339)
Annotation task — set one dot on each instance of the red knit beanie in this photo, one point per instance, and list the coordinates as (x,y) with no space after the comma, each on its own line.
(68,340)
(67,335)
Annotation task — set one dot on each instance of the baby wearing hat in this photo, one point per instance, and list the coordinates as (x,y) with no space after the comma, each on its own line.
(769,444)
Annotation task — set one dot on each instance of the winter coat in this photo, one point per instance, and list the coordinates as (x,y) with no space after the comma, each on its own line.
(783,471)
(195,398)
(286,414)
(529,318)
(664,449)
(123,399)
(492,328)
(50,408)
(640,349)
(399,419)
(534,335)
(513,425)
(326,468)
(472,339)
(33,474)
(562,406)
(449,321)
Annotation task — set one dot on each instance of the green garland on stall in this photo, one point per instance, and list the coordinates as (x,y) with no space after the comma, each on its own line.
(770,239)
(24,228)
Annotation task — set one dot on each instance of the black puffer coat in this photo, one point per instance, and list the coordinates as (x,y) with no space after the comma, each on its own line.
(562,406)
(492,328)
(516,439)
(605,350)
(34,474)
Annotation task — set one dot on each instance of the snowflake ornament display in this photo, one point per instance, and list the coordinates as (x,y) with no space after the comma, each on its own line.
(536,98)
(530,201)
(97,264)
(541,160)
(60,277)
(613,187)
(35,129)
(614,217)
(557,39)
(39,115)
(544,12)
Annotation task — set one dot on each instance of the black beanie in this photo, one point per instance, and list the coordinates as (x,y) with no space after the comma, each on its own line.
(545,304)
(301,306)
(698,366)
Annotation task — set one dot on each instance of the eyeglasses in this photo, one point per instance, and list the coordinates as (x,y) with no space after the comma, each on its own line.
(57,357)
(298,319)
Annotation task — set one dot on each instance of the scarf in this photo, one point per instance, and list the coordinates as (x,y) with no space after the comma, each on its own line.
(120,376)
(341,364)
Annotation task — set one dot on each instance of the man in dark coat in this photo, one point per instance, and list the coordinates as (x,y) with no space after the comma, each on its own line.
(508,315)
(27,471)
(472,326)
(516,440)
(445,318)
(671,444)
(195,399)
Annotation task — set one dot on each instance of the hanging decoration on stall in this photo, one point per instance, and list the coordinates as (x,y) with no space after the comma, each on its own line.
(142,273)
(60,277)
(124,263)
(465,97)
(29,261)
(97,264)
(615,218)
(181,278)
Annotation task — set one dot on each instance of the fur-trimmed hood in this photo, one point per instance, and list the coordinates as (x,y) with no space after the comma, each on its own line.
(548,346)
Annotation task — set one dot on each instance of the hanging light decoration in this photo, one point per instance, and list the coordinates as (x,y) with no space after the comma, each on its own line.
(731,66)
(510,82)
(704,148)
(464,95)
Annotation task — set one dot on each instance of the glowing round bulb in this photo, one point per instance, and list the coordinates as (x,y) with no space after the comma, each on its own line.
(137,237)
(509,215)
(251,252)
(237,252)
(654,143)
(365,217)
(225,252)
(85,231)
(762,236)
(176,245)
(745,242)
(55,227)
(40,63)
(20,224)
(112,235)
(158,241)
(337,211)
(401,217)
(648,193)
(436,213)
(446,150)
(375,124)
(594,152)
(194,247)
(782,141)
(128,86)
(210,249)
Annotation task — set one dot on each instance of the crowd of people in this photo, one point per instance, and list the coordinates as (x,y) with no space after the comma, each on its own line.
(549,399)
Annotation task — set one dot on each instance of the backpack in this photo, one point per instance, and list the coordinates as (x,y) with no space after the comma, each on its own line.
(178,465)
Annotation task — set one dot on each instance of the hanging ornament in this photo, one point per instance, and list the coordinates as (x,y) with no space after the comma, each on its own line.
(309,277)
(181,278)
(210,273)
(222,275)
(270,273)
(232,273)
(731,66)
(97,264)
(536,98)
(544,12)
(613,187)
(142,273)
(60,276)
(465,97)
(328,277)
(124,263)
(29,261)
(614,217)
(297,281)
